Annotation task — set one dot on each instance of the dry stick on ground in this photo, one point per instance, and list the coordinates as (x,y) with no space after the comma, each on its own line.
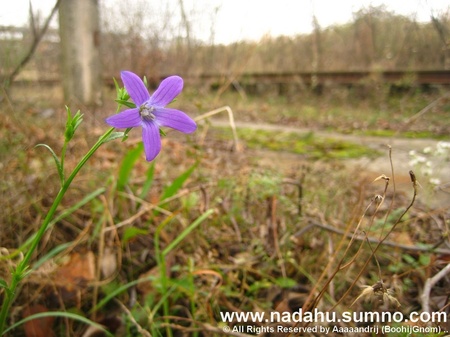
(372,239)
(230,119)
(133,321)
(413,118)
(36,39)
(430,282)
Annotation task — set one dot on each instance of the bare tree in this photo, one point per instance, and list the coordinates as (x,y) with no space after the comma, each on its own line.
(80,43)
(444,37)
(38,33)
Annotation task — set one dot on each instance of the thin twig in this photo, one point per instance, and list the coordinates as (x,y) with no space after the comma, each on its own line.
(230,119)
(147,207)
(130,316)
(423,111)
(383,240)
(430,282)
(329,228)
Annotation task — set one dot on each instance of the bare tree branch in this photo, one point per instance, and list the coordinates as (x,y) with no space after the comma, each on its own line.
(37,37)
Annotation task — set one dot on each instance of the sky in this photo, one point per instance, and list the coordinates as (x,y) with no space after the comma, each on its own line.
(236,20)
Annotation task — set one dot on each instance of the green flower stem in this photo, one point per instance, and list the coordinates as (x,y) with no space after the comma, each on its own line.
(63,156)
(22,268)
(161,262)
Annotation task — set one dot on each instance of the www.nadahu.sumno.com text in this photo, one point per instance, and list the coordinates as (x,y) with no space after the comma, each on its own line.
(317,316)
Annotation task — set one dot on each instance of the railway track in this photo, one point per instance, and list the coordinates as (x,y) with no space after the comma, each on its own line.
(346,78)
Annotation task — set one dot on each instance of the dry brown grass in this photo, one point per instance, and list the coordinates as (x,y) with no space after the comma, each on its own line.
(286,233)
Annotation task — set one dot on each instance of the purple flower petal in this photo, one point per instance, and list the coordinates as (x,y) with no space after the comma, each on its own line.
(151,140)
(126,119)
(135,87)
(167,91)
(175,119)
(150,112)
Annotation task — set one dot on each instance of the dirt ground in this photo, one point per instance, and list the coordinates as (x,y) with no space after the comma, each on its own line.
(397,164)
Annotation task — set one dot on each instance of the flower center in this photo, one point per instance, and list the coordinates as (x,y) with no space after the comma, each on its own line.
(146,112)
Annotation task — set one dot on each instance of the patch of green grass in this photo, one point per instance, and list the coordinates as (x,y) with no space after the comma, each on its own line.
(403,134)
(307,144)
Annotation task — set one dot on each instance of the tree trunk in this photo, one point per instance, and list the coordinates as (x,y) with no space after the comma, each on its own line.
(80,43)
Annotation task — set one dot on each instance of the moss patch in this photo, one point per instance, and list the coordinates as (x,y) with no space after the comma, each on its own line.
(307,144)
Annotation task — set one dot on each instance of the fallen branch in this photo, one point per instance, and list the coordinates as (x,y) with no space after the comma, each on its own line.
(430,282)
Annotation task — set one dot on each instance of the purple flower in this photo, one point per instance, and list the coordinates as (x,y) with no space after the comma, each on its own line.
(150,112)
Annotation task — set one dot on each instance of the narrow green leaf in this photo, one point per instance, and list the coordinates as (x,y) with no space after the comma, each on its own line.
(127,166)
(172,189)
(148,181)
(51,254)
(78,205)
(127,103)
(69,315)
(72,123)
(125,134)
(409,259)
(424,259)
(120,290)
(116,84)
(57,161)
(114,135)
(3,284)
(186,232)
(258,285)
(76,121)
(131,232)
(285,282)
(68,132)
(122,93)
(162,300)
